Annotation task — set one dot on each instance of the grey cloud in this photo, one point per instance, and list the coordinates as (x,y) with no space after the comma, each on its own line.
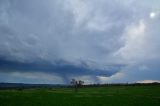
(86,34)
(52,31)
(62,69)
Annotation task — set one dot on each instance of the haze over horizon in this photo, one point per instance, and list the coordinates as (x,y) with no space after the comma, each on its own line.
(97,41)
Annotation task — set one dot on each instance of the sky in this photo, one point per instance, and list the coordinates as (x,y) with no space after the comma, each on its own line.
(97,41)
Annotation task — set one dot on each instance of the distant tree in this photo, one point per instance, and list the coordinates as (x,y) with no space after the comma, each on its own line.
(80,83)
(77,84)
(74,83)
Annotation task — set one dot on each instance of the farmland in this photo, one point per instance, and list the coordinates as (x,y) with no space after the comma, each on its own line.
(87,96)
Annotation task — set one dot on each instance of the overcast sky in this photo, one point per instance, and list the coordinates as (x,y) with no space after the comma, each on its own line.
(98,41)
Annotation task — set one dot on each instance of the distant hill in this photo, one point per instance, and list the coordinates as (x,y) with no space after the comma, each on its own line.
(149,81)
(22,85)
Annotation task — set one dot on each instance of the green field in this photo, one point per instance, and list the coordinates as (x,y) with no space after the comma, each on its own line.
(94,96)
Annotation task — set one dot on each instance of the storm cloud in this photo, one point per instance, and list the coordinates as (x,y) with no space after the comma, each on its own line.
(95,40)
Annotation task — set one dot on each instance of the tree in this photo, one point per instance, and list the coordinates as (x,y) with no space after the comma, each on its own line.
(77,84)
(80,83)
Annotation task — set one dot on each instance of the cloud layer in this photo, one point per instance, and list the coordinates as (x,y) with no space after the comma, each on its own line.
(95,40)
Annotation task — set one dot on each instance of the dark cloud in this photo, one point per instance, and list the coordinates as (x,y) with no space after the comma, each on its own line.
(61,68)
(76,38)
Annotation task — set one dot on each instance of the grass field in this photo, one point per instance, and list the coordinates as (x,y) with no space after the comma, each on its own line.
(95,96)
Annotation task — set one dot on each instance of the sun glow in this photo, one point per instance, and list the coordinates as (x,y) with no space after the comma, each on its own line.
(152,15)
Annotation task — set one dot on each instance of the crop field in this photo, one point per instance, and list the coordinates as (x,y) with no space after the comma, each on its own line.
(91,96)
